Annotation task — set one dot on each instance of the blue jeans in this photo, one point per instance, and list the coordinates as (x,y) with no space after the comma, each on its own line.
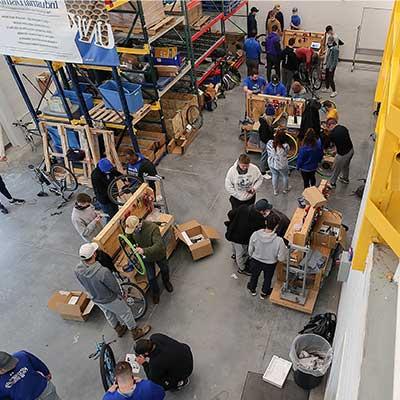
(284,173)
(151,274)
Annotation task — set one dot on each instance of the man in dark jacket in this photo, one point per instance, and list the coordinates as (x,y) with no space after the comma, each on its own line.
(243,222)
(289,64)
(138,164)
(166,361)
(105,292)
(146,235)
(278,15)
(273,50)
(251,21)
(101,177)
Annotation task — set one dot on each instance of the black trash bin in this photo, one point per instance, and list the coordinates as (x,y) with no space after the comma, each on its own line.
(309,374)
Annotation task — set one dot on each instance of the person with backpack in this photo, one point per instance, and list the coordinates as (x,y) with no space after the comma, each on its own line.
(273,51)
(278,150)
(289,64)
(310,155)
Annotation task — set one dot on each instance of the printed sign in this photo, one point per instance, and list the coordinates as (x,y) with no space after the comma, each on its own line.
(75,31)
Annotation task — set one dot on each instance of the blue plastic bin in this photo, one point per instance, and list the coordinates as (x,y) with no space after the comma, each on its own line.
(71,94)
(133,95)
(177,60)
(72,137)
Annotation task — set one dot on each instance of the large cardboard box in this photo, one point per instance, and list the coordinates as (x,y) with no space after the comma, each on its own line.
(328,231)
(198,238)
(314,197)
(71,305)
(165,52)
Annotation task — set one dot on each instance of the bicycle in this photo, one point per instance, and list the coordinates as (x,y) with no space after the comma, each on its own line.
(107,363)
(59,180)
(134,258)
(29,133)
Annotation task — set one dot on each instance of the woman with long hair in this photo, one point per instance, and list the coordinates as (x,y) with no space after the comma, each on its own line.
(310,155)
(278,150)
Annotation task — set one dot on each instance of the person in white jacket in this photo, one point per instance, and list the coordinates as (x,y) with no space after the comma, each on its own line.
(86,220)
(242,182)
(266,248)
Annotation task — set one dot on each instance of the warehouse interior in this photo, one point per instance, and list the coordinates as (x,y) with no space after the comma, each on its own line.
(232,335)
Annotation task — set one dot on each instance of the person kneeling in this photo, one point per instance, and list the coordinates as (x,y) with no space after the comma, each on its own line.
(266,248)
(166,361)
(127,387)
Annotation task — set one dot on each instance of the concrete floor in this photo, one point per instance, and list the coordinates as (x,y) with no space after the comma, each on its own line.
(229,331)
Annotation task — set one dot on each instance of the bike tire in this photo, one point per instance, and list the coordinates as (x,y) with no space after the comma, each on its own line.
(133,256)
(294,147)
(107,366)
(194,117)
(325,170)
(122,187)
(64,177)
(316,79)
(135,298)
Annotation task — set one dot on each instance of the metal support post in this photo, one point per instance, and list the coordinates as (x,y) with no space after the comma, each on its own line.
(75,84)
(22,90)
(64,78)
(60,89)
(127,114)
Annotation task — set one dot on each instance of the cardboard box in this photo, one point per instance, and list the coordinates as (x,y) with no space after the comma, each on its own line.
(71,305)
(167,70)
(198,238)
(314,197)
(165,52)
(329,240)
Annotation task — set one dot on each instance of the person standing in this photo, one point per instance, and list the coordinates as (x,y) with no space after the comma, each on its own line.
(340,137)
(278,162)
(242,223)
(271,22)
(310,155)
(276,12)
(101,178)
(295,20)
(105,292)
(146,235)
(252,21)
(85,219)
(273,50)
(266,133)
(166,361)
(332,59)
(12,200)
(127,387)
(289,64)
(254,83)
(242,182)
(24,376)
(252,49)
(275,87)
(266,248)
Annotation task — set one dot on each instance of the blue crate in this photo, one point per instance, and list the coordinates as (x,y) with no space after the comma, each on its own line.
(72,138)
(177,60)
(71,94)
(133,95)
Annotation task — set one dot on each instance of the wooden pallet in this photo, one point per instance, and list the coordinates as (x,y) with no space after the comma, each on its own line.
(156,28)
(200,22)
(180,145)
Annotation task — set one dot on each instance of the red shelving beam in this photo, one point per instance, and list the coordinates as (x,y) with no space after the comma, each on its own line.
(207,27)
(233,12)
(209,51)
(209,71)
(192,3)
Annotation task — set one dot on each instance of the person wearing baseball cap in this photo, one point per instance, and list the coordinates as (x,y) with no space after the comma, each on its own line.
(146,235)
(251,21)
(295,20)
(101,178)
(23,376)
(105,292)
(275,13)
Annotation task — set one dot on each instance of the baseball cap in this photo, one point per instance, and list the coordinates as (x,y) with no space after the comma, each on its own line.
(131,223)
(295,10)
(105,165)
(275,79)
(254,9)
(87,250)
(263,205)
(7,361)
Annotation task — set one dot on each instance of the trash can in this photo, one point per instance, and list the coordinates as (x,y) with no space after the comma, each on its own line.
(311,356)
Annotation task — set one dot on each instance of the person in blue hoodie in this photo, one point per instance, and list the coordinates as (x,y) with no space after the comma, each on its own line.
(275,87)
(273,50)
(310,155)
(24,377)
(138,164)
(127,387)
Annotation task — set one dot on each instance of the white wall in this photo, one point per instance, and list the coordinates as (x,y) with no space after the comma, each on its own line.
(343,15)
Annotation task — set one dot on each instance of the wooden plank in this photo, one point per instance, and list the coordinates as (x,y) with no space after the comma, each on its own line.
(45,142)
(64,143)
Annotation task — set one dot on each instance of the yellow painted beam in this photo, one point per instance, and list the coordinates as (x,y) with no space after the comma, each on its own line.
(138,51)
(116,4)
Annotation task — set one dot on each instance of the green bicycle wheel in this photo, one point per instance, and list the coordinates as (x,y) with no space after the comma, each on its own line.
(133,256)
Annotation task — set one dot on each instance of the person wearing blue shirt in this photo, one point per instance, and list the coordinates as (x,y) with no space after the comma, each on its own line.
(275,87)
(295,21)
(252,48)
(127,387)
(24,377)
(254,83)
(137,164)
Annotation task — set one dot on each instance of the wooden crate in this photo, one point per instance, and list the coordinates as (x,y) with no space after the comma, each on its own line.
(180,145)
(304,38)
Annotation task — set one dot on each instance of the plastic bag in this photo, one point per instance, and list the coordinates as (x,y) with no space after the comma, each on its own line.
(314,345)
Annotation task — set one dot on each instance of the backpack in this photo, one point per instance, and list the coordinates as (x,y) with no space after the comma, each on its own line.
(323,325)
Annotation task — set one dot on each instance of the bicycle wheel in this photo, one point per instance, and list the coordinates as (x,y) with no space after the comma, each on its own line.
(316,80)
(107,366)
(64,178)
(294,147)
(325,169)
(194,117)
(122,187)
(135,298)
(303,76)
(133,256)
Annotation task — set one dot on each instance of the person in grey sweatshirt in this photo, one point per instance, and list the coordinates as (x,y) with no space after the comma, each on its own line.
(105,292)
(266,248)
(86,221)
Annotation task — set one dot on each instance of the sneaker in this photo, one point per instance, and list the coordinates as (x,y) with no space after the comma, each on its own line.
(263,295)
(17,201)
(333,94)
(325,90)
(156,298)
(137,333)
(168,287)
(181,385)
(276,193)
(287,190)
(244,272)
(253,293)
(3,209)
(343,180)
(332,185)
(233,256)
(266,176)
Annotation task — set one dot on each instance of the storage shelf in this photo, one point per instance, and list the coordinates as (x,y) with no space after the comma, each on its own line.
(176,79)
(207,27)
(234,11)
(209,70)
(178,20)
(218,43)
